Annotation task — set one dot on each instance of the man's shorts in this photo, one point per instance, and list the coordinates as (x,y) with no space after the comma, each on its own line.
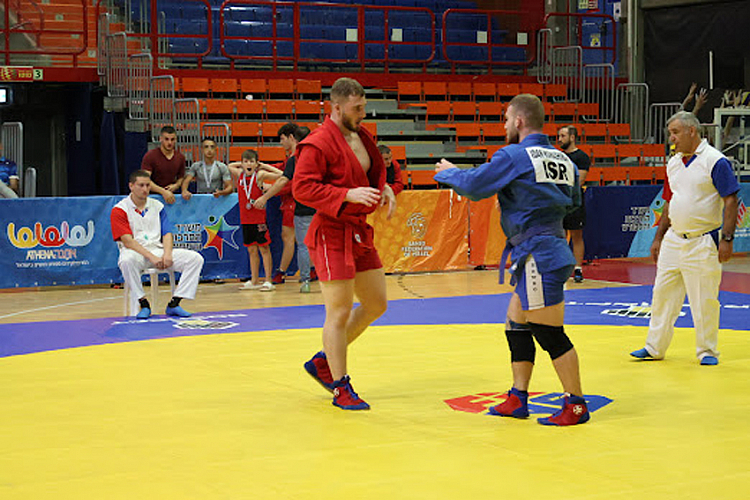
(287,217)
(575,219)
(256,234)
(334,259)
(537,290)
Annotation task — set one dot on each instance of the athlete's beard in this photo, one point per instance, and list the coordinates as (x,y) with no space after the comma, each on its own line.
(512,138)
(349,123)
(564,145)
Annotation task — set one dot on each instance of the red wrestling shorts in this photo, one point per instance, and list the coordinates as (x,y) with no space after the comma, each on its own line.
(341,251)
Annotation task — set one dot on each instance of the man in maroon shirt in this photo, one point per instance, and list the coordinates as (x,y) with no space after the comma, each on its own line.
(166,164)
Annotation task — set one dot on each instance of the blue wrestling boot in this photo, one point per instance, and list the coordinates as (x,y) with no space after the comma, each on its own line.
(144,313)
(177,311)
(516,405)
(642,354)
(709,361)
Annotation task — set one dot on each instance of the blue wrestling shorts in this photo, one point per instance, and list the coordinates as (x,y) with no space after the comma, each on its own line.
(536,289)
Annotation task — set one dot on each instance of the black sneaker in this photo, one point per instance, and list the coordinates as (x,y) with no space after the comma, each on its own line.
(578,275)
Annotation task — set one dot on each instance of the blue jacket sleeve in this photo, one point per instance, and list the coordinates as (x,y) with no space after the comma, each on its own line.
(483,181)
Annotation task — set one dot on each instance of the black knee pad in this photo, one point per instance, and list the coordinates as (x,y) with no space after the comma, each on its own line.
(552,339)
(520,342)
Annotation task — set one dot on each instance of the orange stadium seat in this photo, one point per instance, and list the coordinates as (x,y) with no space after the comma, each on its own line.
(271,154)
(490,111)
(619,130)
(270,129)
(555,90)
(246,130)
(460,90)
(371,127)
(250,109)
(603,154)
(219,107)
(594,131)
(224,86)
(588,109)
(485,91)
(280,110)
(194,85)
(564,111)
(437,110)
(309,89)
(281,87)
(399,154)
(469,133)
(307,110)
(422,178)
(464,110)
(493,132)
(257,87)
(507,91)
(411,89)
(630,151)
(533,88)
(437,91)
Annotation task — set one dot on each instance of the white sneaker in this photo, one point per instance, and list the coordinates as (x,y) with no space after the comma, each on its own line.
(267,287)
(249,286)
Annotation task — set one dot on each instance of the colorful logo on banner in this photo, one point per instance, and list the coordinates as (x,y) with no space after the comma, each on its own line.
(541,403)
(51,239)
(218,234)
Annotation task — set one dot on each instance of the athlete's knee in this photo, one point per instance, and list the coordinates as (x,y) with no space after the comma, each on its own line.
(375,307)
(552,339)
(520,342)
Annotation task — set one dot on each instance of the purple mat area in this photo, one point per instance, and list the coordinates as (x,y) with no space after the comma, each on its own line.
(609,306)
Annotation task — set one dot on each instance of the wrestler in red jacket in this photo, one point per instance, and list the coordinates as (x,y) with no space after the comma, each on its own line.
(341,174)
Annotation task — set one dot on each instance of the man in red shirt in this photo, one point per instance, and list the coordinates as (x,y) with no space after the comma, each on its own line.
(341,174)
(166,165)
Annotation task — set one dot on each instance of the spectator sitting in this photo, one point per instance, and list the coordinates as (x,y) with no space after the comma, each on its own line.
(393,170)
(8,177)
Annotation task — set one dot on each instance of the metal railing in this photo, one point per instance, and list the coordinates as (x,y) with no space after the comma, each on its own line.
(188,126)
(543,55)
(632,108)
(12,139)
(567,69)
(50,40)
(140,67)
(117,65)
(221,134)
(599,86)
(162,104)
(658,114)
(103,23)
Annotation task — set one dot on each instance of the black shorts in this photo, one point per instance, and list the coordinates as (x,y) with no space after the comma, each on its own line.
(576,219)
(256,234)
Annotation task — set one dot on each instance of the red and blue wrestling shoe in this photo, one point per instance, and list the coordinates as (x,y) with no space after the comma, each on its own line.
(318,369)
(344,396)
(516,405)
(573,412)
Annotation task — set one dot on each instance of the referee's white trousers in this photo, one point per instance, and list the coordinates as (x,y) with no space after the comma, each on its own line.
(690,265)
(188,262)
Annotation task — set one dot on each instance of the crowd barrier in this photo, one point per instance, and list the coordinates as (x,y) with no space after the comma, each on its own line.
(68,241)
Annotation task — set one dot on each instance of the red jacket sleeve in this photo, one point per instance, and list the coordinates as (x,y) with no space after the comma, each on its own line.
(308,186)
(398,183)
(667,194)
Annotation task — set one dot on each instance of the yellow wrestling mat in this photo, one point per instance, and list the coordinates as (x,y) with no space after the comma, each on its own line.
(235,416)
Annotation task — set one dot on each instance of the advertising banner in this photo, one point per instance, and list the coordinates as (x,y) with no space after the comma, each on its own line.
(428,232)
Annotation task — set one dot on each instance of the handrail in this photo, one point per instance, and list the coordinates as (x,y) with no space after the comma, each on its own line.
(579,32)
(42,30)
